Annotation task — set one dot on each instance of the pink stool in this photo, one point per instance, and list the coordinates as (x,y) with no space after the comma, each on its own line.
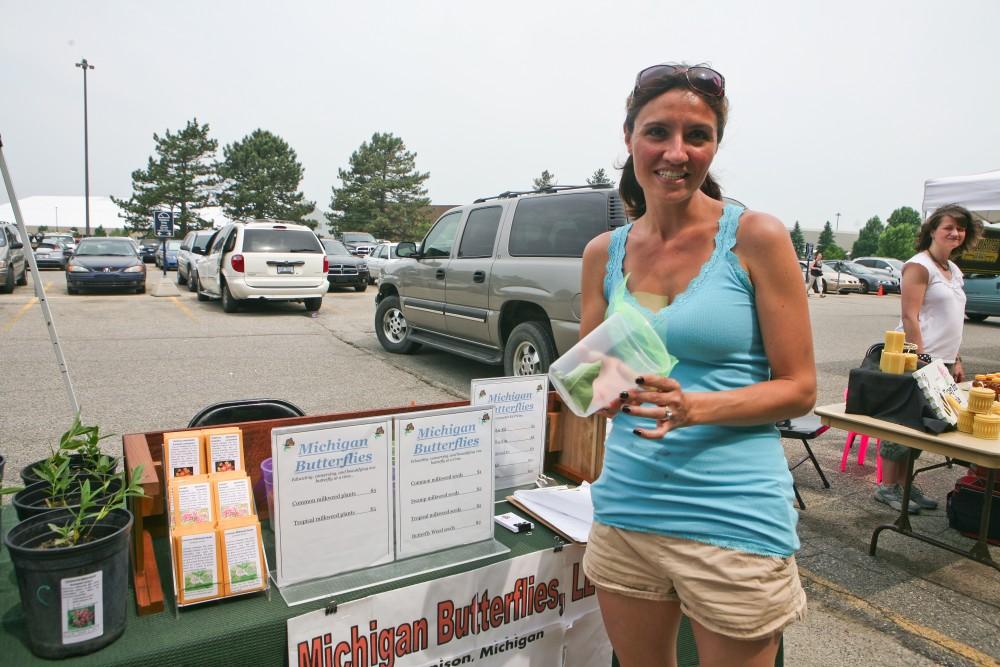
(862,451)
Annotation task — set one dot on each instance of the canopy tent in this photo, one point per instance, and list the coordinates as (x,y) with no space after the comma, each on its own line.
(979,193)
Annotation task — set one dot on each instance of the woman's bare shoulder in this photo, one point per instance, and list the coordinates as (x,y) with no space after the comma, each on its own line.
(761,231)
(598,246)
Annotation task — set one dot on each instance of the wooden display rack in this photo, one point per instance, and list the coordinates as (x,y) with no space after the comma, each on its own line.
(574,449)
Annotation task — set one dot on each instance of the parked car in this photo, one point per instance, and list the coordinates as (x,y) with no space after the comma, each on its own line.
(105,263)
(172,248)
(871,279)
(193,245)
(343,268)
(148,248)
(64,242)
(13,265)
(265,259)
(497,280)
(982,296)
(832,281)
(359,243)
(891,264)
(384,253)
(49,255)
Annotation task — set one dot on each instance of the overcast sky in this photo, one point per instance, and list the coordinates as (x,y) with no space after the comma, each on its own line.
(840,106)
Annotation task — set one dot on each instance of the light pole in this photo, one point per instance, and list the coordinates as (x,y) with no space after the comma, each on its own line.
(57,218)
(83,64)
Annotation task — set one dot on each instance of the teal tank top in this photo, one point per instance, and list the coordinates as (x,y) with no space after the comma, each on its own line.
(724,485)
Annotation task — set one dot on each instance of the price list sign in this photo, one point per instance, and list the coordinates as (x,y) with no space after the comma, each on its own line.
(444,479)
(519,405)
(332,498)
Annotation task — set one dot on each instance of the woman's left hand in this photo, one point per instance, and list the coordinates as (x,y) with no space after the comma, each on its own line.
(957,371)
(669,409)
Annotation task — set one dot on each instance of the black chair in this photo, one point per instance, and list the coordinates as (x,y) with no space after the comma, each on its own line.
(246,410)
(804,428)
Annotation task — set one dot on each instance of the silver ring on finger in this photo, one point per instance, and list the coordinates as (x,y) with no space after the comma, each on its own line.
(668,414)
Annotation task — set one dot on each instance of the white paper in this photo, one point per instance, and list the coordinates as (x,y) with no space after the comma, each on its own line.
(444,475)
(332,498)
(185,457)
(194,504)
(234,498)
(224,452)
(82,607)
(243,559)
(199,559)
(519,405)
(569,510)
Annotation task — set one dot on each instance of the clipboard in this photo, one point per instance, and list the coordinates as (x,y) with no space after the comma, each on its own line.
(513,501)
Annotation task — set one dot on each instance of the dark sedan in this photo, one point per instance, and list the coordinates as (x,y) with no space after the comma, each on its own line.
(147,249)
(346,270)
(871,279)
(105,263)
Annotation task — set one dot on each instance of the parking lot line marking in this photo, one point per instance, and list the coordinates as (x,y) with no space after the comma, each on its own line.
(931,635)
(184,309)
(25,308)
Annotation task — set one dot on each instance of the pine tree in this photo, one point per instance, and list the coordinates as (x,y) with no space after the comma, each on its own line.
(599,177)
(382,193)
(826,238)
(261,175)
(546,180)
(798,240)
(867,243)
(182,179)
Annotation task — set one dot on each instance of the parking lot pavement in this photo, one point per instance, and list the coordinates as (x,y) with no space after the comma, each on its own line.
(143,363)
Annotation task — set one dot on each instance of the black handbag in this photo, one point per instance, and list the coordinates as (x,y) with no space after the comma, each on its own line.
(890,397)
(965,508)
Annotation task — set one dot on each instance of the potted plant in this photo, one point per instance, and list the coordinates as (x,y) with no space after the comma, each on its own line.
(60,487)
(71,566)
(80,446)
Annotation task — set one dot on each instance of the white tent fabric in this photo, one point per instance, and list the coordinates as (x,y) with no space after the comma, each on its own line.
(979,193)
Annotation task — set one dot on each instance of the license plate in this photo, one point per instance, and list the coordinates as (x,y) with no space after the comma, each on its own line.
(286,269)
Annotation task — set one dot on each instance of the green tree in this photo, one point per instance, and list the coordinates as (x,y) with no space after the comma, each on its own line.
(182,178)
(898,241)
(798,240)
(867,243)
(834,251)
(546,180)
(382,192)
(261,175)
(42,229)
(826,238)
(100,231)
(75,231)
(600,177)
(904,215)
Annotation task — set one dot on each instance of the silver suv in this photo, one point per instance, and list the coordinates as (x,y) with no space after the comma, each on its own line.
(13,266)
(497,280)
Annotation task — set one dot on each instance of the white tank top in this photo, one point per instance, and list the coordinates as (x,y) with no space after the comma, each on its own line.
(942,314)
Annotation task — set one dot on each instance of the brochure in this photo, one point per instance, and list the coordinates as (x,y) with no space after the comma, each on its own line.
(233,497)
(199,565)
(333,509)
(224,449)
(519,406)
(444,479)
(192,502)
(182,454)
(242,557)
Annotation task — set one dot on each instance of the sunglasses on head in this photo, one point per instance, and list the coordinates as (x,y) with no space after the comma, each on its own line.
(700,78)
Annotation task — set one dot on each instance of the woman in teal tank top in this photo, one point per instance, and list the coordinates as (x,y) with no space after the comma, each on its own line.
(693,510)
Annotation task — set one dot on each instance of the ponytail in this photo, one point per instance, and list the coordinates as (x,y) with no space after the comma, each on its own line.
(711,187)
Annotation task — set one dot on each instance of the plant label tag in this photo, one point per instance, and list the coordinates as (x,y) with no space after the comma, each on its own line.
(82,607)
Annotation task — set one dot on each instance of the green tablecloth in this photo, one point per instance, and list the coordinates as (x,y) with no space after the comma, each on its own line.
(248,630)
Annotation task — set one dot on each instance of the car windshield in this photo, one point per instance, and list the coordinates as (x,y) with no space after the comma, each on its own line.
(54,240)
(280,240)
(47,246)
(201,240)
(358,237)
(121,248)
(333,247)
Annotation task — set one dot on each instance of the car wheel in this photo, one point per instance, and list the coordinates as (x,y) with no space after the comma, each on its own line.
(371,279)
(191,282)
(864,288)
(391,328)
(197,288)
(529,349)
(71,290)
(181,279)
(141,289)
(361,287)
(312,305)
(24,276)
(8,283)
(229,304)
(976,317)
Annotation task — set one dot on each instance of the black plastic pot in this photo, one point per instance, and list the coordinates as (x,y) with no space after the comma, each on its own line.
(61,618)
(76,464)
(30,501)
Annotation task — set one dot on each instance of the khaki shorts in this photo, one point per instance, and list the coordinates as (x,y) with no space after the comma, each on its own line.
(732,593)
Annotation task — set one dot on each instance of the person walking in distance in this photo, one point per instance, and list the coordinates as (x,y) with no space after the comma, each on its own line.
(816,275)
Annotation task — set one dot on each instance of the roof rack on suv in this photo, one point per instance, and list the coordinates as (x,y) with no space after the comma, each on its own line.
(510,194)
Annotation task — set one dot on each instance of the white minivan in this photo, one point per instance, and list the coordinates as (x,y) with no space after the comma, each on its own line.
(264,259)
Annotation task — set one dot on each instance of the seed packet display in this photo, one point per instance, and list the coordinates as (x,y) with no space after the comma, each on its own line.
(183,455)
(243,566)
(191,502)
(199,565)
(233,496)
(224,447)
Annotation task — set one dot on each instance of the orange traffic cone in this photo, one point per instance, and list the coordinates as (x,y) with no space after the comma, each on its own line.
(881,290)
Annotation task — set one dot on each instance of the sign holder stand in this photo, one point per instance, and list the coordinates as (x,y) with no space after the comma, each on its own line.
(39,289)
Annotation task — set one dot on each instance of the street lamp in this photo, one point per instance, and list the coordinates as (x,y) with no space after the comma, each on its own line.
(838,222)
(83,64)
